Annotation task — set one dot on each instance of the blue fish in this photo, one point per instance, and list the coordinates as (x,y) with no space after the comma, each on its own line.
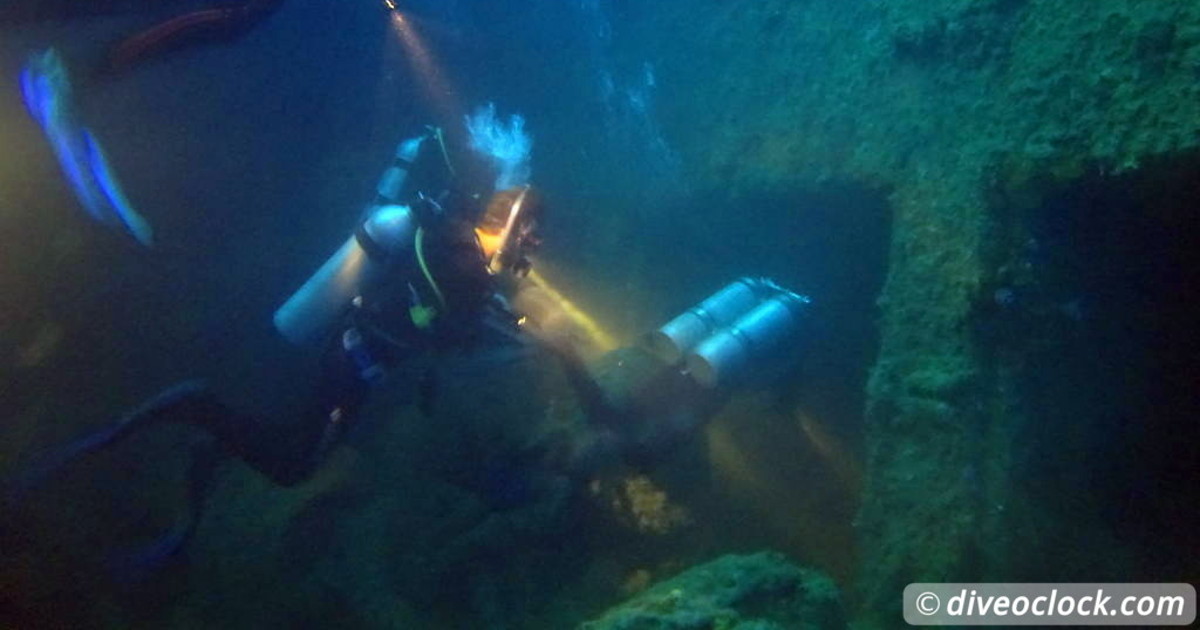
(47,92)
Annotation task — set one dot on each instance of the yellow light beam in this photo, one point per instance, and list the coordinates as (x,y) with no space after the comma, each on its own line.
(581,321)
(831,449)
(441,95)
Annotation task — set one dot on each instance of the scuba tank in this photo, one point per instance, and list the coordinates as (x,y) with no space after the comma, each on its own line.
(358,264)
(762,343)
(681,334)
(749,329)
(387,229)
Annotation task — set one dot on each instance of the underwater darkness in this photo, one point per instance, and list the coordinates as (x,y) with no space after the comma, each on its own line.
(1091,322)
(1108,325)
(447,504)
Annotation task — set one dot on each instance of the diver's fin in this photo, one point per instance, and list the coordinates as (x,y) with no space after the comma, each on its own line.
(46,89)
(133,222)
(46,467)
(31,94)
(206,457)
(45,86)
(196,28)
(50,464)
(143,564)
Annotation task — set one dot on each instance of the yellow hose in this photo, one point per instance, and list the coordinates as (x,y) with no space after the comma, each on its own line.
(420,247)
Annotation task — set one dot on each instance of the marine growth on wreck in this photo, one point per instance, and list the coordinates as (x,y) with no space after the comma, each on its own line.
(591,314)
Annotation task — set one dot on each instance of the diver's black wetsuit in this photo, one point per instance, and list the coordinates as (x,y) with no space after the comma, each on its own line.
(389,337)
(290,450)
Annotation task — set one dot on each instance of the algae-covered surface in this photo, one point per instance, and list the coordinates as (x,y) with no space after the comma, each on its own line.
(967,114)
(992,203)
(761,590)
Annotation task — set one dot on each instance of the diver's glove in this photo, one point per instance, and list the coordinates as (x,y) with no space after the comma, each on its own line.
(370,370)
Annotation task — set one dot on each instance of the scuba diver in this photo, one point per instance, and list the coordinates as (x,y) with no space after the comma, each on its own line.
(414,280)
(425,281)
(220,24)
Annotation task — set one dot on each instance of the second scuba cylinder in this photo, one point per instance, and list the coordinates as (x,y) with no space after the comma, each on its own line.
(761,342)
(681,334)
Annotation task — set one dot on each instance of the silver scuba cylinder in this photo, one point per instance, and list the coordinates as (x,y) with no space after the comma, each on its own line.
(306,316)
(315,307)
(760,343)
(681,334)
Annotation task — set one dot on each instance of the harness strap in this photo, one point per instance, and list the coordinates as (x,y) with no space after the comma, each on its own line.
(374,250)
